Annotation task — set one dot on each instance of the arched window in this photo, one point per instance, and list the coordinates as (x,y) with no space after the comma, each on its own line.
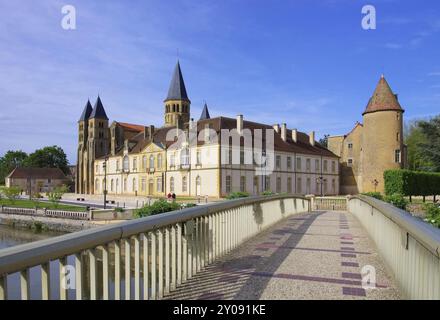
(126,164)
(159,161)
(151,162)
(172,184)
(184,184)
(134,186)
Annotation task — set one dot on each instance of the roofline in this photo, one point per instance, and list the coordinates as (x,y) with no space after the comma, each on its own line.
(387,109)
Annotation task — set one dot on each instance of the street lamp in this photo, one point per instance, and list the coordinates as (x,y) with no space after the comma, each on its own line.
(105,181)
(321,181)
(375,183)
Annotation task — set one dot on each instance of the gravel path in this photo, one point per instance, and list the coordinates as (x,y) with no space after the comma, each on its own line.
(318,255)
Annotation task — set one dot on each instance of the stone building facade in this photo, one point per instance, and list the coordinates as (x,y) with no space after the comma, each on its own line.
(188,158)
(373,146)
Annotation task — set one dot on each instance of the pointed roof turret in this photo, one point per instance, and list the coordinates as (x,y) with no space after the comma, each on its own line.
(205,113)
(98,110)
(86,112)
(177,90)
(383,98)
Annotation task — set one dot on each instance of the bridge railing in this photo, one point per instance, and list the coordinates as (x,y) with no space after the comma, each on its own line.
(409,246)
(329,203)
(140,259)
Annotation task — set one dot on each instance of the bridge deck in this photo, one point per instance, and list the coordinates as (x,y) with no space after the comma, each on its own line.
(316,255)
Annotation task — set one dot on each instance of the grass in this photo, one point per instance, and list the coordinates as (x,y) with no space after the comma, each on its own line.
(39,204)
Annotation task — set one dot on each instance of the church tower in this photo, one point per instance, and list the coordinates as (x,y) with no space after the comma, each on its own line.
(382,139)
(98,142)
(81,164)
(177,103)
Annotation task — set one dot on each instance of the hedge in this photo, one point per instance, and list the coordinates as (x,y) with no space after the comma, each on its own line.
(411,183)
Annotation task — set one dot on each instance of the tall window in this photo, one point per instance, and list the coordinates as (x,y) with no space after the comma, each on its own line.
(117,165)
(172,160)
(298,163)
(112,187)
(151,162)
(159,185)
(228,184)
(143,185)
(126,164)
(350,146)
(184,184)
(97,169)
(278,162)
(134,164)
(184,156)
(241,156)
(289,162)
(144,162)
(325,165)
(308,165)
(159,161)
(308,185)
(134,186)
(97,185)
(117,185)
(256,185)
(317,168)
(333,186)
(243,184)
(230,155)
(172,184)
(333,166)
(350,162)
(397,156)
(278,184)
(267,184)
(289,185)
(199,157)
(299,185)
(125,185)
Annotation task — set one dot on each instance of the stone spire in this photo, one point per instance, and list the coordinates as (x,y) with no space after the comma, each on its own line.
(98,110)
(383,99)
(177,90)
(86,112)
(205,113)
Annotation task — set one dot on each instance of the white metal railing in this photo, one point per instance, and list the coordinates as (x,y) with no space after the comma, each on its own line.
(409,246)
(329,203)
(22,211)
(139,259)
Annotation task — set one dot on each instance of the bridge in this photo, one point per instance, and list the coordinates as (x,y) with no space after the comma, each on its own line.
(274,247)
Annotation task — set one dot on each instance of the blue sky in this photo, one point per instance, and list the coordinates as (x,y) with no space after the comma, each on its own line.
(306,62)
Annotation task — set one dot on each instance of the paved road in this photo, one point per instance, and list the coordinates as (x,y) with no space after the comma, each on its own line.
(316,255)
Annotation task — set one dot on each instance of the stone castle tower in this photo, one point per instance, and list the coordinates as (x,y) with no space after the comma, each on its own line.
(93,143)
(177,103)
(374,146)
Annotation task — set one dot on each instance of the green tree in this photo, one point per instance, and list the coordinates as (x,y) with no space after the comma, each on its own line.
(48,157)
(324,141)
(11,160)
(12,193)
(431,130)
(415,140)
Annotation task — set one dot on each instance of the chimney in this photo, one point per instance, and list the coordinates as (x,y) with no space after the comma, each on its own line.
(294,135)
(276,127)
(148,132)
(240,123)
(284,132)
(312,138)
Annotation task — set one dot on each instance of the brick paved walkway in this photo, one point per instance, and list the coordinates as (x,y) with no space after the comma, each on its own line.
(316,255)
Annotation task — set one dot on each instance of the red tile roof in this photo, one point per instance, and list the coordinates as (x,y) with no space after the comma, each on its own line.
(383,99)
(131,126)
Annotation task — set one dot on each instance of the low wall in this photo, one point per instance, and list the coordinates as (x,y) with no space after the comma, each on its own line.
(110,214)
(409,246)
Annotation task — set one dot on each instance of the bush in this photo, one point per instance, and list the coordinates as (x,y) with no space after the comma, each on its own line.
(397,200)
(267,193)
(56,194)
(432,214)
(376,195)
(411,183)
(237,195)
(159,206)
(119,209)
